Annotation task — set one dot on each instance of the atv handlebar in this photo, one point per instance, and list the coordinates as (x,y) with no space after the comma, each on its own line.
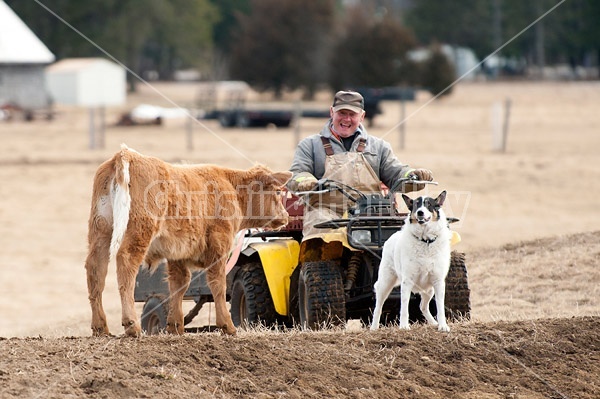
(328,185)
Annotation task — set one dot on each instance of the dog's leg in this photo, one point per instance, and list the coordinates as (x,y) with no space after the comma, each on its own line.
(440,293)
(383,287)
(406,288)
(426,296)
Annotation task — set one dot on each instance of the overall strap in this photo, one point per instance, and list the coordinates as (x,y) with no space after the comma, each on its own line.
(327,146)
(362,143)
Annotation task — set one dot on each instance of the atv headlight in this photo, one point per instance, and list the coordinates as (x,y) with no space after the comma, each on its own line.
(361,236)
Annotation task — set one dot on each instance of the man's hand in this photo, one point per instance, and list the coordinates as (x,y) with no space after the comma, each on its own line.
(416,174)
(307,184)
(423,174)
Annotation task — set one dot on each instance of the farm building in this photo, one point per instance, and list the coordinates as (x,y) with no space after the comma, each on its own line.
(23,58)
(88,82)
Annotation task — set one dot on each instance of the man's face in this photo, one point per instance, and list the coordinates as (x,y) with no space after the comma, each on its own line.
(345,122)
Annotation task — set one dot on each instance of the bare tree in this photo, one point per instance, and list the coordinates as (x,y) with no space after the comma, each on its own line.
(279,44)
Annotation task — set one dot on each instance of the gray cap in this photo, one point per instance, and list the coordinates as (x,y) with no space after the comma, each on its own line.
(350,100)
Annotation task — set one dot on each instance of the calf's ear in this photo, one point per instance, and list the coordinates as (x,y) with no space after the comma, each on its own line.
(282,177)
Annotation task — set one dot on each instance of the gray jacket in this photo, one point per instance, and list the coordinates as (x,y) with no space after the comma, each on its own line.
(309,159)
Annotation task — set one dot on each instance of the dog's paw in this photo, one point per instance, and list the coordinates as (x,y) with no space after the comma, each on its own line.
(404,327)
(443,328)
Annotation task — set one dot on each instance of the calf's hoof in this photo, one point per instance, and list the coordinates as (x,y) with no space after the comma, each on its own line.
(132,329)
(175,328)
(101,331)
(229,330)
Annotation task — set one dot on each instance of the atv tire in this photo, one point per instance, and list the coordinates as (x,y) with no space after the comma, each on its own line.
(251,302)
(154,314)
(321,298)
(458,295)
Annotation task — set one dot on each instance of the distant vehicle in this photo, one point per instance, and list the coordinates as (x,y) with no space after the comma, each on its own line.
(227,102)
(255,118)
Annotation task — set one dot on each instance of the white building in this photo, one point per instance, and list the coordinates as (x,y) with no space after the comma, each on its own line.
(87,82)
(23,58)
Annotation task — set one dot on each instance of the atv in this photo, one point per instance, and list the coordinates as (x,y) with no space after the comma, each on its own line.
(279,279)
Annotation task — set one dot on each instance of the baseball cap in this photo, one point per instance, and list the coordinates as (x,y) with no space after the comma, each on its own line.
(350,100)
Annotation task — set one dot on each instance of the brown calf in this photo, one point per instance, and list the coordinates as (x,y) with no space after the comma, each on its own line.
(145,210)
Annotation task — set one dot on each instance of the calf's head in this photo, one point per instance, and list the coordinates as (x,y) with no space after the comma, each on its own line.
(264,193)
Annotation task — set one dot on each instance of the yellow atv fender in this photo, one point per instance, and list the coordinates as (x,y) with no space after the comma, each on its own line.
(455,239)
(279,259)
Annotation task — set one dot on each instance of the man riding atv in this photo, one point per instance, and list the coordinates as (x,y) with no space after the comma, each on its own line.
(345,153)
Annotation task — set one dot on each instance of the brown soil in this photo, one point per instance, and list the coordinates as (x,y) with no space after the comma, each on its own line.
(529,223)
(546,358)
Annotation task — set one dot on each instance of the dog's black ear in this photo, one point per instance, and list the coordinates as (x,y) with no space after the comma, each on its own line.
(441,198)
(408,201)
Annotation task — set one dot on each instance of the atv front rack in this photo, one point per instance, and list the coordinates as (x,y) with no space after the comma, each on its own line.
(367,232)
(370,232)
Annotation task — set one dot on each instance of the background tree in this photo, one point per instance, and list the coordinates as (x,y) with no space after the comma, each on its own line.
(228,22)
(144,35)
(222,35)
(280,43)
(466,23)
(277,44)
(569,34)
(437,73)
(372,52)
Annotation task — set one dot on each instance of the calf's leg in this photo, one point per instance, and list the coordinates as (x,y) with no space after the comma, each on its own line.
(129,258)
(96,266)
(215,276)
(179,282)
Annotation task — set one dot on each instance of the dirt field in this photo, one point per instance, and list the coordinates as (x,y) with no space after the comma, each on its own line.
(530,225)
(550,358)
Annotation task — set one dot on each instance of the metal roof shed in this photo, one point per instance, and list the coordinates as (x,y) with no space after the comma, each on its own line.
(88,82)
(22,60)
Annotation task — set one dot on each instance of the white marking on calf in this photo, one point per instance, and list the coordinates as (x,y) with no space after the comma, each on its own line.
(104,208)
(121,204)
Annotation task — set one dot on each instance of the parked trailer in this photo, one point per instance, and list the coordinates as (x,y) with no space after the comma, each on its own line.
(153,290)
(255,118)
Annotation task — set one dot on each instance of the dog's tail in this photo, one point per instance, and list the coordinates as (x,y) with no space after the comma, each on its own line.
(120,199)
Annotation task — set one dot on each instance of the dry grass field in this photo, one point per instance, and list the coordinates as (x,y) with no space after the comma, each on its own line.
(530,225)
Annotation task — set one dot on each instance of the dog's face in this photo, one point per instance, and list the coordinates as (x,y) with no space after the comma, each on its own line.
(424,209)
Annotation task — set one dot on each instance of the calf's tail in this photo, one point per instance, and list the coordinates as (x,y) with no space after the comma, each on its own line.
(121,200)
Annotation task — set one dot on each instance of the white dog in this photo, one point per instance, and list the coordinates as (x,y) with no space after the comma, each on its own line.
(417,258)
